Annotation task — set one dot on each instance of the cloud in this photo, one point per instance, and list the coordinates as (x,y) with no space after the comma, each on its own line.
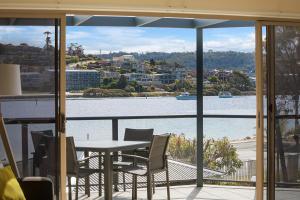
(77,35)
(244,43)
(115,39)
(32,35)
(128,40)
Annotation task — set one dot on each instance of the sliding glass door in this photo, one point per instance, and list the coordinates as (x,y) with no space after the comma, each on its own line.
(280,61)
(34,119)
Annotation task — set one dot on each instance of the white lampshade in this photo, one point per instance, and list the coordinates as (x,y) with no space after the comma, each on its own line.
(10,80)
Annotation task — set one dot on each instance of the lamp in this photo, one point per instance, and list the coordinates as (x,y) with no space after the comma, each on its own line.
(10,85)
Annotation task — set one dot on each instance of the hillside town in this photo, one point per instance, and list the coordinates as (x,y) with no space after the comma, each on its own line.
(125,75)
(120,75)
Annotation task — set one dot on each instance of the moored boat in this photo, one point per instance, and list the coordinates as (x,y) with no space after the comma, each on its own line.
(225,94)
(186,96)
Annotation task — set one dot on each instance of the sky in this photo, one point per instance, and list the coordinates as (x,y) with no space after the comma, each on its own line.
(136,39)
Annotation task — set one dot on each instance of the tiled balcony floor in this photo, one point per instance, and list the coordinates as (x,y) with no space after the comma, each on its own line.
(208,192)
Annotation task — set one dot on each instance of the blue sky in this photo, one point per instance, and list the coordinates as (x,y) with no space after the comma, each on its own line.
(137,39)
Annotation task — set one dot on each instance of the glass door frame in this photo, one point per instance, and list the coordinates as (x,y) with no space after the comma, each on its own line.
(60,21)
(260,115)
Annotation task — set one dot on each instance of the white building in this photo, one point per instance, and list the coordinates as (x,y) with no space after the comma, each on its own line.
(109,74)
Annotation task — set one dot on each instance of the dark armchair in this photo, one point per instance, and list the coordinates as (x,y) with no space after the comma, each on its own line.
(134,135)
(156,162)
(39,145)
(77,167)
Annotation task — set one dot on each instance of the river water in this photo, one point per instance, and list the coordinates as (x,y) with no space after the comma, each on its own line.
(102,129)
(217,128)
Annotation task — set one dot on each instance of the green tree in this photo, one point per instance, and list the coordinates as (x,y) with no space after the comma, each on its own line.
(213,79)
(122,82)
(107,81)
(152,62)
(240,81)
(217,153)
(220,153)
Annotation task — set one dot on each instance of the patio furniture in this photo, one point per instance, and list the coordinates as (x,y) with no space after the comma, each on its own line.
(155,163)
(48,165)
(108,147)
(39,146)
(134,135)
(34,188)
(77,168)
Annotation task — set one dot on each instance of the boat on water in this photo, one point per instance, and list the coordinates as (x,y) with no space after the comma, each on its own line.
(225,94)
(186,96)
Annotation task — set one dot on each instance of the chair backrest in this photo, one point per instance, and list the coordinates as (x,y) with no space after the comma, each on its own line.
(37,137)
(72,164)
(157,152)
(138,134)
(49,164)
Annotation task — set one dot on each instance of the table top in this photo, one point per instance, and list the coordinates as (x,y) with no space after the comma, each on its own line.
(109,145)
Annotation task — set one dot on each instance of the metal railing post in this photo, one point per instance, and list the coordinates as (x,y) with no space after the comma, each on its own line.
(115,136)
(24,150)
(115,127)
(199,60)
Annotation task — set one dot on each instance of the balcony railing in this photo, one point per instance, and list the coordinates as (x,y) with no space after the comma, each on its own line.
(25,122)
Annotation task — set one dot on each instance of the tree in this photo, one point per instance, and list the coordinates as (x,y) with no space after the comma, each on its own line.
(217,153)
(107,81)
(240,81)
(220,153)
(152,62)
(213,79)
(122,82)
(48,39)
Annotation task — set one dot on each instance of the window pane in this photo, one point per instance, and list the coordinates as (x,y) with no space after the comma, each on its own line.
(30,44)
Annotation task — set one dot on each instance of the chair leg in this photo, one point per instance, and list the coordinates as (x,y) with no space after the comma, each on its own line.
(70,188)
(149,186)
(100,184)
(100,163)
(33,169)
(76,195)
(134,187)
(153,182)
(168,183)
(124,184)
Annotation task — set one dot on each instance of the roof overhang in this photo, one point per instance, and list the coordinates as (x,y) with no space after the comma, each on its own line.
(160,22)
(130,21)
(229,9)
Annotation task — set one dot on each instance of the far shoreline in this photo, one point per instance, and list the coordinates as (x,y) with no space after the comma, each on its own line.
(146,94)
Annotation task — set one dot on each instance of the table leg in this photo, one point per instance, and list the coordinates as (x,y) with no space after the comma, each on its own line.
(87,179)
(108,176)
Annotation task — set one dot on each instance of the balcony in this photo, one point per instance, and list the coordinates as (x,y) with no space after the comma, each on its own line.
(189,192)
(183,175)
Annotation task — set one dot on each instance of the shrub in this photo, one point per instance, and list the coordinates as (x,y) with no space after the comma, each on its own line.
(97,92)
(235,91)
(217,154)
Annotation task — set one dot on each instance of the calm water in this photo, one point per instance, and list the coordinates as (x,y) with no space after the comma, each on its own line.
(232,128)
(98,130)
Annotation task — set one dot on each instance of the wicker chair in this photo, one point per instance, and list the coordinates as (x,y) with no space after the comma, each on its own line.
(156,162)
(39,143)
(134,135)
(77,168)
